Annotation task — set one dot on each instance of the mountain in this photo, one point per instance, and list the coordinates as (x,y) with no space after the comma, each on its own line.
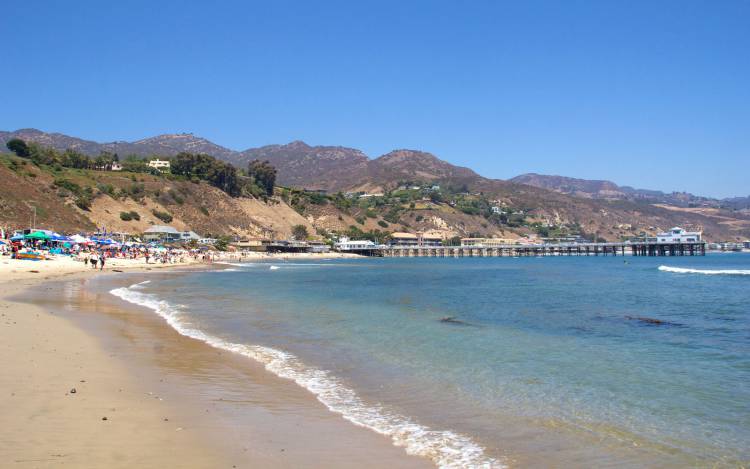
(600,189)
(313,167)
(599,208)
(165,145)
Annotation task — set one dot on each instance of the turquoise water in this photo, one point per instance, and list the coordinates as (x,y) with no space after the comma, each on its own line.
(556,351)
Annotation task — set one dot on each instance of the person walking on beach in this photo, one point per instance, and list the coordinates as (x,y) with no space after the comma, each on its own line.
(93,259)
(101,262)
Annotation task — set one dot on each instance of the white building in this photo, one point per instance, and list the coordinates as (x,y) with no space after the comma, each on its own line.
(162,233)
(159,164)
(189,236)
(116,166)
(678,235)
(346,244)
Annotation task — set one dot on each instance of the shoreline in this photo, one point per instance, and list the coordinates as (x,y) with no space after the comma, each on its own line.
(130,367)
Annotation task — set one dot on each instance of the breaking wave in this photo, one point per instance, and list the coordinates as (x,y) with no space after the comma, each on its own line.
(444,447)
(681,270)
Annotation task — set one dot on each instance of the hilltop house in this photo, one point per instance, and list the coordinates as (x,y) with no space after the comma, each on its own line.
(679,235)
(161,165)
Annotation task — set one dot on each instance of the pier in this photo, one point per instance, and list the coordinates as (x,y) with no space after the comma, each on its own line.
(538,250)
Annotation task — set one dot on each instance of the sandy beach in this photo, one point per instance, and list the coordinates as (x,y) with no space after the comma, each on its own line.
(90,381)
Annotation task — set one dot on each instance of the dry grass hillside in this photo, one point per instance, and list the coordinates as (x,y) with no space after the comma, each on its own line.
(196,206)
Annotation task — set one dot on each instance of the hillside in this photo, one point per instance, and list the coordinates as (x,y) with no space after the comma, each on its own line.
(197,206)
(464,203)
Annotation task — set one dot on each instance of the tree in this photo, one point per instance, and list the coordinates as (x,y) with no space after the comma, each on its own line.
(222,243)
(299,232)
(263,174)
(19,147)
(217,173)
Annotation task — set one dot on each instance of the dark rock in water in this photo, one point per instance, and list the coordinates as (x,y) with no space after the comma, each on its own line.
(454,321)
(651,321)
(104,418)
(116,270)
(73,391)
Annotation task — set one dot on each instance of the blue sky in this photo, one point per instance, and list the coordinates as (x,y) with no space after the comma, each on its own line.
(654,94)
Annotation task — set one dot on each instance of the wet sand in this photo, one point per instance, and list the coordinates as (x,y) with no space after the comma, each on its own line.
(169,401)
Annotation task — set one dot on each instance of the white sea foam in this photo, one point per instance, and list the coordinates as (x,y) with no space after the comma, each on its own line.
(444,447)
(274,267)
(681,270)
(235,264)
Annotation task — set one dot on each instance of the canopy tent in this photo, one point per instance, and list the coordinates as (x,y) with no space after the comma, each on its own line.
(17,238)
(78,239)
(59,237)
(41,235)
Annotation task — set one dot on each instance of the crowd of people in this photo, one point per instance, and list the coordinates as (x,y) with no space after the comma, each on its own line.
(95,252)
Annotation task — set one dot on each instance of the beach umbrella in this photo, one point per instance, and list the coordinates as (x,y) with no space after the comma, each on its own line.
(17,238)
(38,235)
(2,242)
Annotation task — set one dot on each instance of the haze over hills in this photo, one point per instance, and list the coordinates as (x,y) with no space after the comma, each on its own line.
(600,207)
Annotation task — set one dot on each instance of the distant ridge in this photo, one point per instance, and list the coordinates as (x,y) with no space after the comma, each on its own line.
(600,208)
(602,189)
(341,168)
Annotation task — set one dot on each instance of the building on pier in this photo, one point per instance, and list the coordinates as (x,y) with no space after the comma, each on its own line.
(415,240)
(486,242)
(346,244)
(678,235)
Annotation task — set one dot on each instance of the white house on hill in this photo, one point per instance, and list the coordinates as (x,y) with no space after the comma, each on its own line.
(159,164)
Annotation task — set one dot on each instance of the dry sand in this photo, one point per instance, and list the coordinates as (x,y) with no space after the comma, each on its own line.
(168,401)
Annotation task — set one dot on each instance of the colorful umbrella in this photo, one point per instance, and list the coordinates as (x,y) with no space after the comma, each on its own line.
(38,235)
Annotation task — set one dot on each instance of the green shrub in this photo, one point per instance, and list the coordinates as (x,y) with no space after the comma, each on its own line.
(163,216)
(203,210)
(68,185)
(83,201)
(382,223)
(125,216)
(108,189)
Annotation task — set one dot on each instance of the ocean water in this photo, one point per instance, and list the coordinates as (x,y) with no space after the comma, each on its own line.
(566,361)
